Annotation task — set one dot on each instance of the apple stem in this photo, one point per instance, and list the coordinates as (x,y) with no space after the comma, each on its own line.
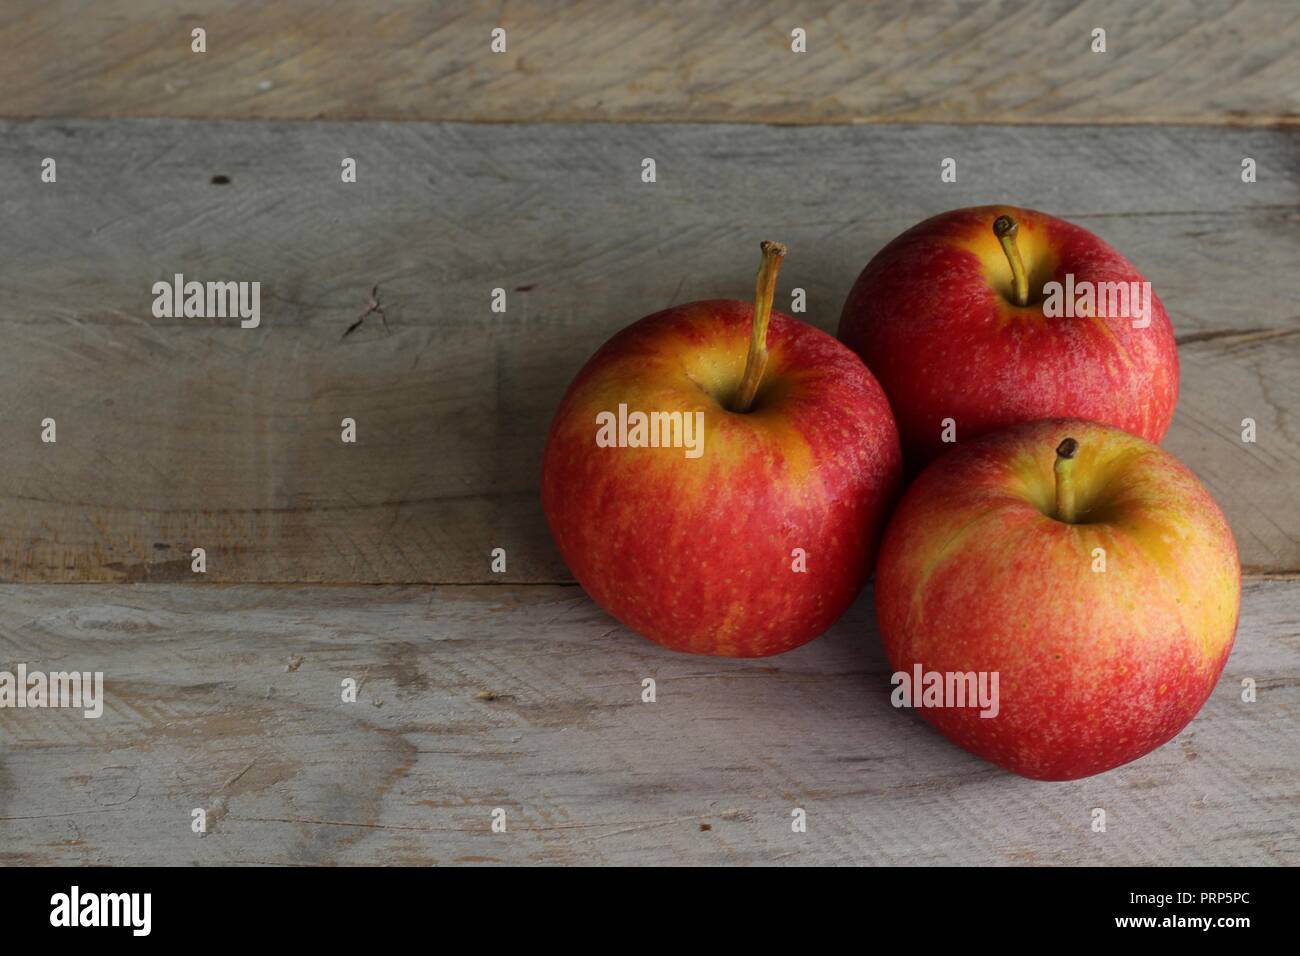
(1064,468)
(1005,228)
(764,292)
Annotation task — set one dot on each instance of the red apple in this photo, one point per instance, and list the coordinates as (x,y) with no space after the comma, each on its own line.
(953,319)
(755,540)
(993,563)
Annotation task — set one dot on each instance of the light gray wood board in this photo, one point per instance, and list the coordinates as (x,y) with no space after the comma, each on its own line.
(229,699)
(1193,61)
(182,433)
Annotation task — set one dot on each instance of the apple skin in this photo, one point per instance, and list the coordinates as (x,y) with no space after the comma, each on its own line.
(932,317)
(696,554)
(1096,669)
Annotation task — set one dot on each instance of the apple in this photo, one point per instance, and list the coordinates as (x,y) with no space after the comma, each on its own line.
(717,475)
(981,318)
(1085,567)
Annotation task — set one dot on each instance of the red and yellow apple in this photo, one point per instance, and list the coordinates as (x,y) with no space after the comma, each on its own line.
(1087,568)
(755,541)
(952,319)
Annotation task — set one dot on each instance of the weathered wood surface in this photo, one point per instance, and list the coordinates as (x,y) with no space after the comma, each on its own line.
(529,699)
(183,433)
(1187,61)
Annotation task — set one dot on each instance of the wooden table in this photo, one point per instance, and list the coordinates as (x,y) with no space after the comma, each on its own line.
(371,561)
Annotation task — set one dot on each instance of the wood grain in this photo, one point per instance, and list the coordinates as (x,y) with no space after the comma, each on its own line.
(1212,61)
(529,699)
(183,433)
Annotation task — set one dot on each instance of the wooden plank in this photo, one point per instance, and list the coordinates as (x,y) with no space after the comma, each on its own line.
(1228,379)
(183,433)
(1187,61)
(529,699)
